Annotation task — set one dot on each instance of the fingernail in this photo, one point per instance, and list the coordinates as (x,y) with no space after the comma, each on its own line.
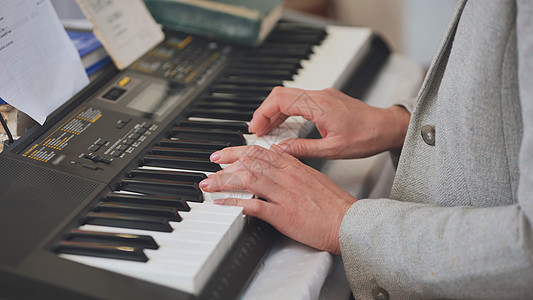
(204,183)
(250,126)
(215,156)
(218,201)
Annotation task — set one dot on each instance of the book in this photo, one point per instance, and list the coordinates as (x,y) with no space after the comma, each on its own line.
(92,53)
(126,28)
(246,22)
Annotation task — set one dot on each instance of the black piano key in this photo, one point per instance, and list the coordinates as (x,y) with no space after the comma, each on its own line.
(301,53)
(187,190)
(246,89)
(293,39)
(235,126)
(128,221)
(195,144)
(298,29)
(176,162)
(276,74)
(222,135)
(102,250)
(188,152)
(224,114)
(239,106)
(172,201)
(281,37)
(270,60)
(252,81)
(140,209)
(123,239)
(192,177)
(281,46)
(263,66)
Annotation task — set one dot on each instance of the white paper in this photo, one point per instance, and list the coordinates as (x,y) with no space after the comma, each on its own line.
(41,68)
(125,27)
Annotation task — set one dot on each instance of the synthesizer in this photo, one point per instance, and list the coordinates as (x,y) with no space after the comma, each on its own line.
(102,201)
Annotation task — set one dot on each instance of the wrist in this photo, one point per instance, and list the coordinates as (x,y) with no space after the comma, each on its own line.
(399,119)
(344,206)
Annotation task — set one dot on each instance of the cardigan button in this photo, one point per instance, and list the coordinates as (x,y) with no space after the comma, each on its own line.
(428,134)
(379,293)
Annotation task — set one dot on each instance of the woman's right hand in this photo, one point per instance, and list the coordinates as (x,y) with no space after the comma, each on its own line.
(349,127)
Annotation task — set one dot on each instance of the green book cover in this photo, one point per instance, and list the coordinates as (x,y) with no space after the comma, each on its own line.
(245,22)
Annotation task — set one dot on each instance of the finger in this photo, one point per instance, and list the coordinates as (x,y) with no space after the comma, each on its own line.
(306,148)
(281,103)
(227,155)
(232,154)
(268,115)
(251,207)
(252,175)
(273,123)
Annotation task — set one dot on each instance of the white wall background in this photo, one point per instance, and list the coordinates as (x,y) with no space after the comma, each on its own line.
(412,27)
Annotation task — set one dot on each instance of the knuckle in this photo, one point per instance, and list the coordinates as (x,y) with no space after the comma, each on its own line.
(247,178)
(255,208)
(330,91)
(255,151)
(258,112)
(300,149)
(295,148)
(246,162)
(220,180)
(276,93)
(332,150)
(277,89)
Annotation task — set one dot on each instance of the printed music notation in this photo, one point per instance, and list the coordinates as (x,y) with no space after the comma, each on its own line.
(125,28)
(36,54)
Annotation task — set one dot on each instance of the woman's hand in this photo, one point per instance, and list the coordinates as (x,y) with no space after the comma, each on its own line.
(349,127)
(301,202)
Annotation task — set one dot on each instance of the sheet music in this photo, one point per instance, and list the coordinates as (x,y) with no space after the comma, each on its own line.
(41,69)
(125,28)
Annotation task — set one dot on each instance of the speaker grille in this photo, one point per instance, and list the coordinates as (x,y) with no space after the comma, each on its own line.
(33,200)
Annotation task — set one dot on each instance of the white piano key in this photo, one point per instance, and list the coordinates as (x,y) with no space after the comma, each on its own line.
(197,227)
(328,66)
(207,231)
(174,274)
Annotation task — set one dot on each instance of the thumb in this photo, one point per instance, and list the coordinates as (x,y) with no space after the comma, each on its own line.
(304,148)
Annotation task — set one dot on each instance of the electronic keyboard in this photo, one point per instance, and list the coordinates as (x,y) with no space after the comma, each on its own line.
(102,201)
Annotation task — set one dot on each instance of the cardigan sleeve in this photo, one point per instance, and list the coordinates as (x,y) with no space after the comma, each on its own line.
(415,250)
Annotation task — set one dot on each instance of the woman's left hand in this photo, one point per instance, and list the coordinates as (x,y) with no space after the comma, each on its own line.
(301,202)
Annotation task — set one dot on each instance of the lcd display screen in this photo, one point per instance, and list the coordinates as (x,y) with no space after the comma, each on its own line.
(156,99)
